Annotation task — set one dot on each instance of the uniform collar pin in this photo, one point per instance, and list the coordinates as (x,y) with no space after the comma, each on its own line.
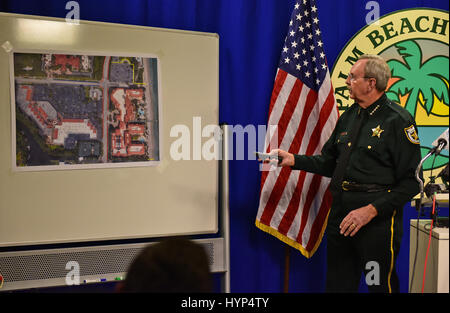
(374,110)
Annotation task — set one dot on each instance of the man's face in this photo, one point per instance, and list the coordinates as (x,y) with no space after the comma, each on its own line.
(357,84)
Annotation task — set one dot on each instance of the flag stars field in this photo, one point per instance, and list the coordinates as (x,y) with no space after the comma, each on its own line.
(307,44)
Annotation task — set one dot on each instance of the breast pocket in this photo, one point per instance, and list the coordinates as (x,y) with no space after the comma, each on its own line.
(374,152)
(374,139)
(374,146)
(342,141)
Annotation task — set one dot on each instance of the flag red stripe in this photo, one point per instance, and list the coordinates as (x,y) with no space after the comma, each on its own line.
(326,110)
(316,228)
(293,207)
(289,109)
(319,221)
(315,183)
(283,177)
(313,187)
(289,215)
(291,210)
(278,85)
(298,137)
(323,117)
(275,195)
(286,116)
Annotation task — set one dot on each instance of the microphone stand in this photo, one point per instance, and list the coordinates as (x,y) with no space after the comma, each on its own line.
(418,175)
(436,150)
(419,210)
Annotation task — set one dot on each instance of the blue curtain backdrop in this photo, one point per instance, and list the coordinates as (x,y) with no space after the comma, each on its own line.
(251,37)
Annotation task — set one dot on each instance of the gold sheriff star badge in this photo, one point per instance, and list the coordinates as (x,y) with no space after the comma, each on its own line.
(376,132)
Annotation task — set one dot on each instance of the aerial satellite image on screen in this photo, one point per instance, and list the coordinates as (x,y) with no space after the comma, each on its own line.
(74,110)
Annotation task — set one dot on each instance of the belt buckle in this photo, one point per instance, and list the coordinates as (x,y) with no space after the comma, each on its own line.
(344,184)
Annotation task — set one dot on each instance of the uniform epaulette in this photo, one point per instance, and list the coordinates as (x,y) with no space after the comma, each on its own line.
(404,114)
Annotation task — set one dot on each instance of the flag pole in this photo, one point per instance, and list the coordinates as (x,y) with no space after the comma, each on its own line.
(287,258)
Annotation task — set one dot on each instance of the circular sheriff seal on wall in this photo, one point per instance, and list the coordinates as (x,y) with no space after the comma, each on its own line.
(414,42)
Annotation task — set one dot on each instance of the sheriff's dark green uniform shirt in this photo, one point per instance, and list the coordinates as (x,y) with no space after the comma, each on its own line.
(386,153)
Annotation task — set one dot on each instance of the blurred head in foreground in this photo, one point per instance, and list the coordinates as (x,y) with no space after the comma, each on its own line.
(173,265)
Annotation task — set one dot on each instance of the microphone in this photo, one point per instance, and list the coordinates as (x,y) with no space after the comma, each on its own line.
(441,144)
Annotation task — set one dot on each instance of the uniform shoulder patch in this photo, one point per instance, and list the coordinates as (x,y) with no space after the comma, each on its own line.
(411,134)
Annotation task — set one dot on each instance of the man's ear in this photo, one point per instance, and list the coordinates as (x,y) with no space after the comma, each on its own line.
(372,85)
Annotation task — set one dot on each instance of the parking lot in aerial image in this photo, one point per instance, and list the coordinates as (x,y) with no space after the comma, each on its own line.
(84,109)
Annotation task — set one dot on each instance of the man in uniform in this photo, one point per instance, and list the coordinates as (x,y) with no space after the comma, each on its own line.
(371,157)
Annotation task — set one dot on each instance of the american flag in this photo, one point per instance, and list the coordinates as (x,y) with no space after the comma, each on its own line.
(294,205)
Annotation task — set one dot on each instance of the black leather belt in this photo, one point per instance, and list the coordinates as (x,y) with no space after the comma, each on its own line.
(352,186)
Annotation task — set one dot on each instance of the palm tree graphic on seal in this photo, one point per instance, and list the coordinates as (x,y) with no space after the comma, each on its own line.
(417,79)
(422,83)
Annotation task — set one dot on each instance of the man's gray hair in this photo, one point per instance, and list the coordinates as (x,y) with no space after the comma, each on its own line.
(376,67)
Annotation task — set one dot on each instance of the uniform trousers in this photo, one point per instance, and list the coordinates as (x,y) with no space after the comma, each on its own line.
(372,251)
